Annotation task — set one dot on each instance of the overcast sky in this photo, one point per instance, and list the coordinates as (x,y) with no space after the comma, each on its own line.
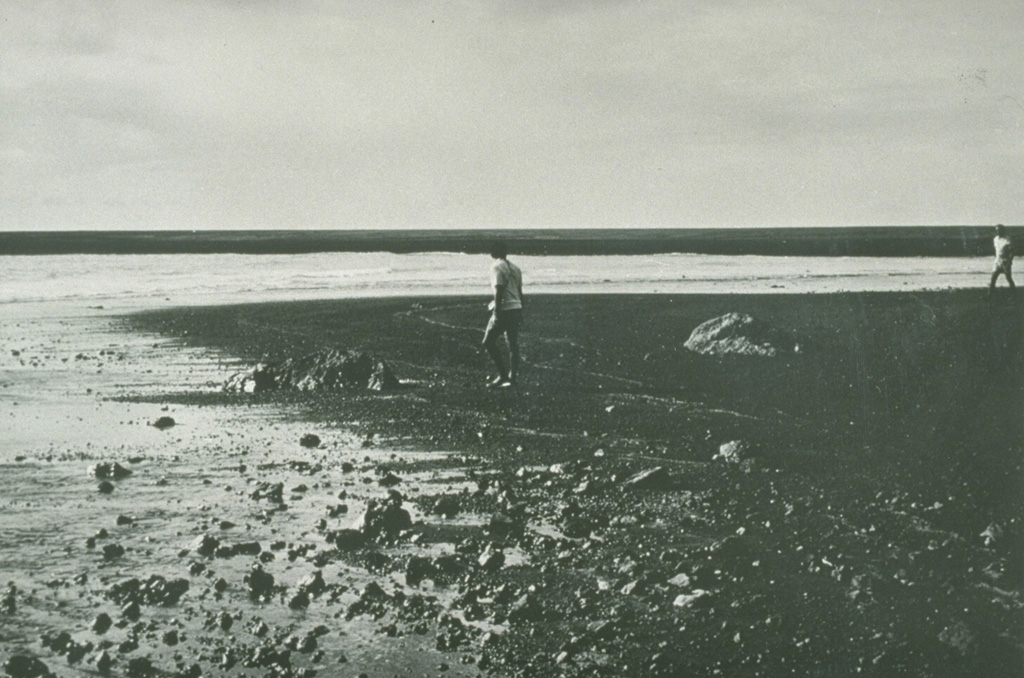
(195,114)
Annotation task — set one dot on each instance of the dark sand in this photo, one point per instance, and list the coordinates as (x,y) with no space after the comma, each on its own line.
(850,541)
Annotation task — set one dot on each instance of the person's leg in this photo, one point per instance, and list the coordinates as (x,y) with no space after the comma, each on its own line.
(512,334)
(491,335)
(1009,279)
(992,282)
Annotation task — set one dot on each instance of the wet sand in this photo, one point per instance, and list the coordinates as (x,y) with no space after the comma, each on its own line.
(873,526)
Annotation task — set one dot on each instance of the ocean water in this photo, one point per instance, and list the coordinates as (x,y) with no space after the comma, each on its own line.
(128,282)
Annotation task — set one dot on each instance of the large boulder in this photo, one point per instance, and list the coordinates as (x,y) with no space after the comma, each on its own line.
(324,370)
(739,334)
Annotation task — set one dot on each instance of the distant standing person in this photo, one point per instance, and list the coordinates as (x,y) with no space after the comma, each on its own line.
(1004,259)
(506,315)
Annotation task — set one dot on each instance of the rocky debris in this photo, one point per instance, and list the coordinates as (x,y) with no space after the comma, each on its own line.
(9,604)
(259,583)
(525,609)
(502,526)
(733,452)
(389,479)
(105,487)
(140,667)
(688,599)
(104,662)
(418,568)
(102,623)
(491,560)
(740,334)
(447,506)
(156,590)
(163,423)
(113,551)
(272,492)
(110,471)
(313,584)
(452,633)
(385,518)
(310,440)
(23,666)
(325,370)
(346,539)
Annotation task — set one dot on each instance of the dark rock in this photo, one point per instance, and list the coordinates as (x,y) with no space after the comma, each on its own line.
(140,667)
(125,520)
(23,666)
(447,506)
(417,569)
(502,526)
(260,583)
(310,440)
(389,480)
(300,601)
(385,518)
(337,510)
(325,370)
(113,551)
(154,591)
(111,471)
(451,633)
(105,487)
(131,611)
(525,609)
(102,623)
(347,539)
(247,548)
(738,334)
(170,638)
(206,545)
(164,423)
(313,583)
(104,661)
(491,560)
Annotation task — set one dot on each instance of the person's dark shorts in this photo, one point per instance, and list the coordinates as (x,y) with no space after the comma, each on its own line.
(505,323)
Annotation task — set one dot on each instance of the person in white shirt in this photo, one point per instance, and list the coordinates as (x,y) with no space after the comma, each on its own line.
(506,315)
(1004,259)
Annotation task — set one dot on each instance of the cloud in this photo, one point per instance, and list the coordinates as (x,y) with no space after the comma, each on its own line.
(266,114)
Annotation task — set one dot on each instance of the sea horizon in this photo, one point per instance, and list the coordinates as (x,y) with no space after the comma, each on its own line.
(851,241)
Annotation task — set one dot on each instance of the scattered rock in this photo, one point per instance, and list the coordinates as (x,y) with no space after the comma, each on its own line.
(447,506)
(385,518)
(113,551)
(310,440)
(154,591)
(110,471)
(740,334)
(23,666)
(733,452)
(163,423)
(325,370)
(688,599)
(260,583)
